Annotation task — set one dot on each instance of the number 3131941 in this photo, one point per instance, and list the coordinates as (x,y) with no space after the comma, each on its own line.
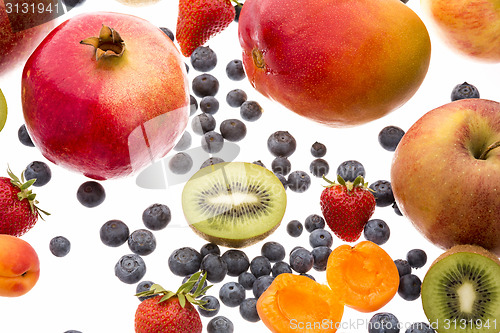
(32,7)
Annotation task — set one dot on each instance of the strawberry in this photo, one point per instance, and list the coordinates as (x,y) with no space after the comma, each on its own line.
(18,210)
(170,312)
(199,20)
(347,207)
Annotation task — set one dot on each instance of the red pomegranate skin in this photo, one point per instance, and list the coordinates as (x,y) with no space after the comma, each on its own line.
(32,27)
(111,117)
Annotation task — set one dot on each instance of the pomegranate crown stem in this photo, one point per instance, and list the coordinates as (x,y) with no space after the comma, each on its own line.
(108,44)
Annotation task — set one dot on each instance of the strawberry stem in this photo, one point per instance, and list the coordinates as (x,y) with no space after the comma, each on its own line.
(488,149)
(25,192)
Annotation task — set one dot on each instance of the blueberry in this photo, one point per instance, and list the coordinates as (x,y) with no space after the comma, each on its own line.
(197,283)
(114,233)
(281,143)
(184,142)
(294,228)
(236,97)
(59,246)
(24,137)
(232,294)
(156,217)
(203,59)
(301,260)
(142,242)
(237,262)
(168,32)
(384,322)
(377,231)
(261,284)
(193,105)
(389,137)
(39,171)
(295,248)
(282,179)
(211,161)
(247,279)
(320,256)
(260,266)
(210,248)
(220,324)
(91,194)
(70,4)
(233,130)
(409,287)
(209,104)
(319,167)
(144,286)
(350,170)
(250,111)
(184,261)
(215,267)
(313,222)
(318,149)
(248,310)
(281,165)
(205,85)
(130,269)
(382,191)
(187,67)
(464,91)
(280,267)
(237,10)
(212,142)
(416,258)
(320,237)
(298,181)
(396,209)
(403,267)
(210,308)
(203,123)
(308,275)
(273,251)
(259,163)
(420,328)
(72,331)
(235,70)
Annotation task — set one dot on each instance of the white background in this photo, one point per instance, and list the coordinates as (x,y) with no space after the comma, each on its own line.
(80,290)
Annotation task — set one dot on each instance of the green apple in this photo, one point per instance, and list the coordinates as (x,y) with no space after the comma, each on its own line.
(445,174)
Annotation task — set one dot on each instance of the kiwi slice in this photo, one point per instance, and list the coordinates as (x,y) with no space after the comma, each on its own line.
(461,291)
(3,110)
(234,204)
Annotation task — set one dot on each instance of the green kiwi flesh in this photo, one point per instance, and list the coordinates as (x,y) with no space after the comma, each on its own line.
(461,293)
(234,204)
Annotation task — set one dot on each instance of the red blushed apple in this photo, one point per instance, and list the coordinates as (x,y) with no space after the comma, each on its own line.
(19,266)
(471,27)
(340,63)
(445,174)
(20,32)
(105,94)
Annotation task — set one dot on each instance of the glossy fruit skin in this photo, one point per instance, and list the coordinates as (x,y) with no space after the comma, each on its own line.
(114,233)
(59,246)
(166,317)
(220,324)
(130,268)
(448,194)
(463,91)
(346,54)
(384,322)
(17,44)
(184,261)
(409,287)
(19,266)
(91,115)
(16,217)
(470,27)
(91,194)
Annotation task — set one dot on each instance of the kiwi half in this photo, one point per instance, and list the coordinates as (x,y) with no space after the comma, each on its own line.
(234,204)
(461,291)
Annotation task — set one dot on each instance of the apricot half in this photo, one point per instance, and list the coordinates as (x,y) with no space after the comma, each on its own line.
(364,277)
(295,303)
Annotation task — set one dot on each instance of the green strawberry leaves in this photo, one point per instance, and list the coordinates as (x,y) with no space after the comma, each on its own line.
(25,192)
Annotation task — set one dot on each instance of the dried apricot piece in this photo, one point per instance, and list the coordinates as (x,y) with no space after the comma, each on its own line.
(298,304)
(364,277)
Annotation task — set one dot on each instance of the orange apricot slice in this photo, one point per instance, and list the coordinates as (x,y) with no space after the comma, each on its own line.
(364,277)
(298,304)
